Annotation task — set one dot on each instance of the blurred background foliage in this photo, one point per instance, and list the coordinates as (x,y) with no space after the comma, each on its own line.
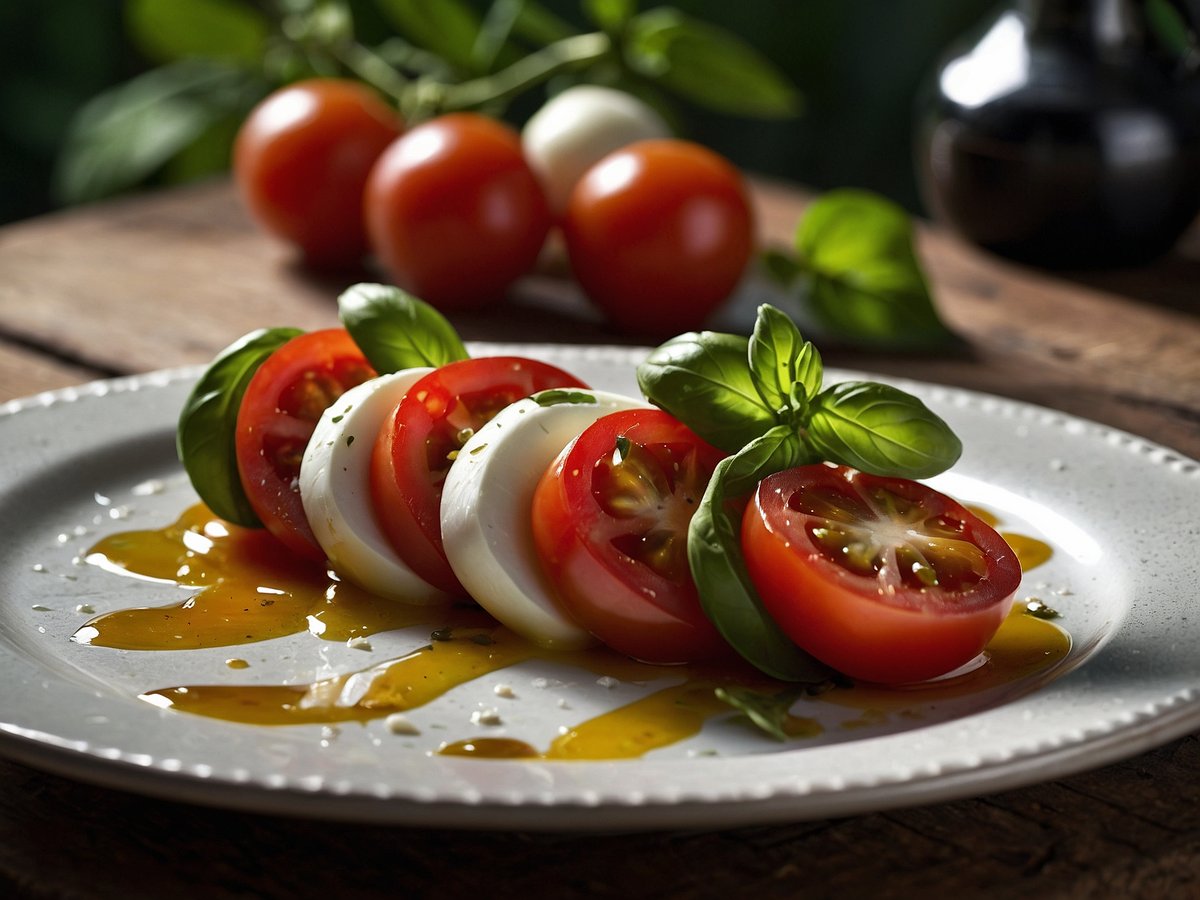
(859,65)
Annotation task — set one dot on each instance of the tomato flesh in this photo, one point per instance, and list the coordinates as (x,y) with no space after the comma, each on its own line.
(422,436)
(279,412)
(884,579)
(610,522)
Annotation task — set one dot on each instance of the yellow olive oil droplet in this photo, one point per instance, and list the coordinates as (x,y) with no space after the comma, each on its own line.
(490,748)
(1031,552)
(252,589)
(657,720)
(1023,646)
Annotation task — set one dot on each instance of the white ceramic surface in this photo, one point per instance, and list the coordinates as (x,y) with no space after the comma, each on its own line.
(1120,512)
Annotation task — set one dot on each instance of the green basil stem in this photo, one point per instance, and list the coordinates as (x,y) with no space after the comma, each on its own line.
(561,56)
(374,70)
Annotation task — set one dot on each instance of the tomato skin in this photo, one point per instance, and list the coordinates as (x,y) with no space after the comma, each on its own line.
(648,613)
(410,457)
(279,412)
(659,234)
(301,160)
(454,212)
(848,620)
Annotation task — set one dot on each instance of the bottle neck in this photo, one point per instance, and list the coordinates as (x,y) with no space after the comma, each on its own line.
(1105,25)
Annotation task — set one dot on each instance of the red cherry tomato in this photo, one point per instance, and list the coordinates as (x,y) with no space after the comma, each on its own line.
(279,411)
(301,159)
(658,234)
(419,441)
(884,579)
(454,212)
(610,522)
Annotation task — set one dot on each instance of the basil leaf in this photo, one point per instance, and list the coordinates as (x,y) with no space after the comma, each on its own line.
(560,396)
(168,30)
(124,135)
(702,379)
(769,712)
(397,331)
(861,276)
(708,65)
(785,368)
(208,423)
(881,429)
(446,27)
(610,15)
(715,557)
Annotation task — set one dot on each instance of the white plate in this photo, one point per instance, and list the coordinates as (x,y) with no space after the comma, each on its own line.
(1121,514)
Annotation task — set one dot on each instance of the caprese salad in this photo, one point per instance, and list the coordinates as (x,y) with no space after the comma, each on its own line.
(739,508)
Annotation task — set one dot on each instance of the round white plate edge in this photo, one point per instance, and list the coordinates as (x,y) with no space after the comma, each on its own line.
(1130,732)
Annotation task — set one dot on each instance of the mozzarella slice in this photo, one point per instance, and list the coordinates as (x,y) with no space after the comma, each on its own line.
(335,488)
(486,510)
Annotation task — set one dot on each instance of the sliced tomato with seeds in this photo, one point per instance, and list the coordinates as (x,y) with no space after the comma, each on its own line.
(884,579)
(421,438)
(610,522)
(279,411)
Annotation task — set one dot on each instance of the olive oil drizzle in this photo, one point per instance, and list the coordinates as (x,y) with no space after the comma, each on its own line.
(239,570)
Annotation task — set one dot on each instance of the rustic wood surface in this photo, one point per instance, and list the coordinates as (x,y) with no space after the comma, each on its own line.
(168,279)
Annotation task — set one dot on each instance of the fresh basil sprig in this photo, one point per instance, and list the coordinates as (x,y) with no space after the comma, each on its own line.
(731,390)
(881,429)
(715,558)
(395,330)
(208,423)
(858,276)
(702,379)
(762,400)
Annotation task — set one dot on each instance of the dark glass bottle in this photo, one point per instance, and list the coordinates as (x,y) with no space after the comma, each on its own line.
(1063,137)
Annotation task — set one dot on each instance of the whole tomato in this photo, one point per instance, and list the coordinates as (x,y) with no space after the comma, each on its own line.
(658,234)
(301,159)
(454,212)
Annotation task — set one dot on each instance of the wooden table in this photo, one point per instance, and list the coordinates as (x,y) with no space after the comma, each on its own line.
(168,279)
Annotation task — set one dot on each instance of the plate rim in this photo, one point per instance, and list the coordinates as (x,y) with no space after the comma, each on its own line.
(1170,717)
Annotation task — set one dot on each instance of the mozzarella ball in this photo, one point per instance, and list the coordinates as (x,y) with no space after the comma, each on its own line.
(577,128)
(487,507)
(335,489)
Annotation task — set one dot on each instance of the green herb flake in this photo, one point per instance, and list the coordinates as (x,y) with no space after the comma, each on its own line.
(559,396)
(483,640)
(337,419)
(349,439)
(442,634)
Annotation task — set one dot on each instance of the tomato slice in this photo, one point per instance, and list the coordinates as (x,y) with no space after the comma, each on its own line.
(884,579)
(610,522)
(419,440)
(279,411)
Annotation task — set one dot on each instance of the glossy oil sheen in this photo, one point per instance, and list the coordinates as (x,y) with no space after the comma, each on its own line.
(234,568)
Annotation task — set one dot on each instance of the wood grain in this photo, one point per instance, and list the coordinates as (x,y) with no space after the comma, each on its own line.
(168,279)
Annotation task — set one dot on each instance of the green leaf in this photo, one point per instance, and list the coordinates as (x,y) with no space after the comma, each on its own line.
(719,570)
(208,423)
(703,379)
(125,135)
(785,368)
(561,396)
(708,65)
(881,429)
(769,712)
(781,268)
(449,28)
(861,275)
(397,331)
(170,30)
(540,26)
(610,15)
